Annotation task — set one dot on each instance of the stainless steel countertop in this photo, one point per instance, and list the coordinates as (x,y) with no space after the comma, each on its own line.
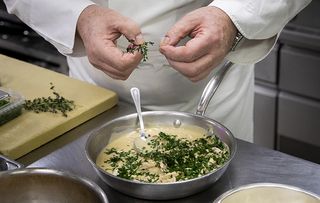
(251,164)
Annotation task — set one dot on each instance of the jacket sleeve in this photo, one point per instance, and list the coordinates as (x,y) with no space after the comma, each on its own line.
(260,22)
(46,16)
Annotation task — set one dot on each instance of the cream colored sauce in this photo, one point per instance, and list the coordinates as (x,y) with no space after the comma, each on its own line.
(125,141)
(268,195)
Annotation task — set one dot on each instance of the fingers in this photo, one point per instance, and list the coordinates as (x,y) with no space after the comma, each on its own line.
(212,33)
(114,73)
(114,62)
(99,29)
(131,31)
(179,30)
(196,70)
(194,49)
(195,59)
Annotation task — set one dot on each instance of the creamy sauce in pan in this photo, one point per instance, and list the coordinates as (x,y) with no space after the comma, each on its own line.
(269,194)
(151,171)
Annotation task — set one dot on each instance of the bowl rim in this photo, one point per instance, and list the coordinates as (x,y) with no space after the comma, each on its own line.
(224,166)
(66,174)
(263,184)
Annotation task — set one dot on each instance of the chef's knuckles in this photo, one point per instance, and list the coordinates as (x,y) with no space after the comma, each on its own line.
(212,32)
(210,44)
(99,37)
(196,70)
(120,70)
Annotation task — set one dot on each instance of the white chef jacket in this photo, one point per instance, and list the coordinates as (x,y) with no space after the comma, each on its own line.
(162,87)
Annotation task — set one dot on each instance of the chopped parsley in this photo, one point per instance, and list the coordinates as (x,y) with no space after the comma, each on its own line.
(170,157)
(3,103)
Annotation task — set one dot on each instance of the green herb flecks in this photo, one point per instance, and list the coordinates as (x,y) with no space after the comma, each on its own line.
(55,104)
(187,159)
(3,102)
(142,48)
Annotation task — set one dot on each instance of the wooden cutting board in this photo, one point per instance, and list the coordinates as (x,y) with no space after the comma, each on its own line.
(30,130)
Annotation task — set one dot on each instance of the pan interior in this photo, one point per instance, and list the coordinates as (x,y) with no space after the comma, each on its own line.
(115,128)
(98,140)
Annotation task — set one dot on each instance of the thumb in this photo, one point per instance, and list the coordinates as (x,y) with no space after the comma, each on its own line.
(177,32)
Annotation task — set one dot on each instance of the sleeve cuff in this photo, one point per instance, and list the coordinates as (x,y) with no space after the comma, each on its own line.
(250,50)
(64,19)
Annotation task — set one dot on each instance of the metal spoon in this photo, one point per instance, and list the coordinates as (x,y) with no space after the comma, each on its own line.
(206,96)
(141,141)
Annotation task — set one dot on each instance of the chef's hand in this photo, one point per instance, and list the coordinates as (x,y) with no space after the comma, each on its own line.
(99,28)
(212,34)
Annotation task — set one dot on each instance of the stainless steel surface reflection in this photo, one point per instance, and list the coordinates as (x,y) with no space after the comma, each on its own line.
(47,185)
(158,191)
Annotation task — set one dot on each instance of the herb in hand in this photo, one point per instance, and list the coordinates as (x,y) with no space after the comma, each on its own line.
(142,48)
(56,104)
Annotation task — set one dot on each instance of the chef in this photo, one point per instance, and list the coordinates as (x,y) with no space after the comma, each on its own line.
(192,39)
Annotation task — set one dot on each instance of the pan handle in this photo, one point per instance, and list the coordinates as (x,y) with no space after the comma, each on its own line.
(8,164)
(211,88)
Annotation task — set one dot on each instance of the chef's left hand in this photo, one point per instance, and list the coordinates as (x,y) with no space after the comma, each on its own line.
(212,33)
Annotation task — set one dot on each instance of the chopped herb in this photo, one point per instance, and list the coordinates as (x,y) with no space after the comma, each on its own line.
(172,155)
(12,112)
(142,48)
(3,102)
(56,104)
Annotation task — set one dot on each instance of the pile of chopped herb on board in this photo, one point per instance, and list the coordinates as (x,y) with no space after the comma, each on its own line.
(55,104)
(188,159)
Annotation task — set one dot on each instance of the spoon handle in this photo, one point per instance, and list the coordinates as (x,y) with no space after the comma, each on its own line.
(135,93)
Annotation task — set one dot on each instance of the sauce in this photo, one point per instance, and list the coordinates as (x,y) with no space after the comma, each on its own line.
(174,154)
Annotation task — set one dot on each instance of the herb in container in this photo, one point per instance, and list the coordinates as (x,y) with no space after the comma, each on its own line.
(11,104)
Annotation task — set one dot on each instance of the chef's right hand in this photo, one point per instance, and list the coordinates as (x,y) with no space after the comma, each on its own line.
(99,28)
